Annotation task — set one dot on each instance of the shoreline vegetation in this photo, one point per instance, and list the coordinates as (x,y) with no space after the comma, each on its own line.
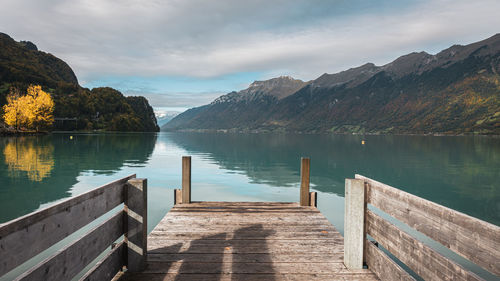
(258,131)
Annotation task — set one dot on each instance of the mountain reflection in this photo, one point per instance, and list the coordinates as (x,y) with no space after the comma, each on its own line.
(458,172)
(25,155)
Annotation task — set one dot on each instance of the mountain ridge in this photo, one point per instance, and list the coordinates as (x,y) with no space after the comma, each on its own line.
(455,91)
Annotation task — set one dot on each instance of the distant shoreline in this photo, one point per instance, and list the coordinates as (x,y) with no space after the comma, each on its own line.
(236,131)
(11,133)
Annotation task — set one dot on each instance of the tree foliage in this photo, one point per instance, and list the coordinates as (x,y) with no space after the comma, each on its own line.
(31,111)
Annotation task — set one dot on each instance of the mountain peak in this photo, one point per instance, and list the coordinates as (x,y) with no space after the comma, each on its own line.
(352,76)
(279,87)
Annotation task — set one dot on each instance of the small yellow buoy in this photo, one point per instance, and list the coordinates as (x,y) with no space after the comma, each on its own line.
(363,142)
(70,137)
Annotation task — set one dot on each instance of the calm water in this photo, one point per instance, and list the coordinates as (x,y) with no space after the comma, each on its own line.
(459,172)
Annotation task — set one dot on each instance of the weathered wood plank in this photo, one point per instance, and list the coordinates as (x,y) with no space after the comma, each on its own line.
(206,204)
(108,266)
(261,249)
(210,228)
(48,226)
(304,181)
(136,207)
(239,224)
(247,243)
(245,258)
(354,231)
(246,218)
(243,214)
(211,215)
(422,259)
(253,268)
(469,237)
(186,179)
(259,234)
(383,266)
(221,212)
(341,275)
(69,261)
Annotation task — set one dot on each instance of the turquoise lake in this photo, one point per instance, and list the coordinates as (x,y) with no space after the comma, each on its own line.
(461,173)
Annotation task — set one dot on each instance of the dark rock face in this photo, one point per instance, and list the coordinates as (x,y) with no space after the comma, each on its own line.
(29,45)
(453,92)
(145,113)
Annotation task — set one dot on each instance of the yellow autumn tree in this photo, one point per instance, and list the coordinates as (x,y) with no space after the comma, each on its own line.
(31,111)
(15,111)
(42,108)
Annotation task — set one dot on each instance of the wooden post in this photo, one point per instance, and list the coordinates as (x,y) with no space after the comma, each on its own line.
(136,231)
(177,196)
(304,181)
(313,199)
(354,223)
(186,179)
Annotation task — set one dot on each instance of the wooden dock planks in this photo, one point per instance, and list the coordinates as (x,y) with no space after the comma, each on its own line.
(245,241)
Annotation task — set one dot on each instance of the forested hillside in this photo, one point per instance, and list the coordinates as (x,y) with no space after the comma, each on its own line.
(22,64)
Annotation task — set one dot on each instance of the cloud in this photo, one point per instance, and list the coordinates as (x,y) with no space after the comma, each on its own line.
(178,100)
(212,39)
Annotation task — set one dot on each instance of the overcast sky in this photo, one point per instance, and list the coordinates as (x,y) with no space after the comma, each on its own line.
(181,53)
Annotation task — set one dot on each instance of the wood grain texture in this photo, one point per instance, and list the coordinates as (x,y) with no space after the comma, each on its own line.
(383,266)
(44,228)
(305,167)
(422,259)
(69,261)
(474,239)
(136,208)
(341,275)
(246,241)
(108,266)
(354,216)
(186,179)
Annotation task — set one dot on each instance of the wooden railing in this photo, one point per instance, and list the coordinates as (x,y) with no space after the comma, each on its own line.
(307,198)
(25,237)
(473,239)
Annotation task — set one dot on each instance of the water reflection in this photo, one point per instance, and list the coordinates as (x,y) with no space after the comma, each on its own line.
(24,155)
(43,169)
(458,172)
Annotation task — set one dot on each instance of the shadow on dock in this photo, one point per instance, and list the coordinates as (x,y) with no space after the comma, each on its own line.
(214,257)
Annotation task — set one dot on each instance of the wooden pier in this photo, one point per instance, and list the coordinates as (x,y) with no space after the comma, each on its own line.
(246,241)
(249,240)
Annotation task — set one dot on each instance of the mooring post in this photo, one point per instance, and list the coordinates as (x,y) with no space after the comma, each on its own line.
(136,208)
(354,223)
(313,199)
(186,179)
(304,181)
(177,196)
